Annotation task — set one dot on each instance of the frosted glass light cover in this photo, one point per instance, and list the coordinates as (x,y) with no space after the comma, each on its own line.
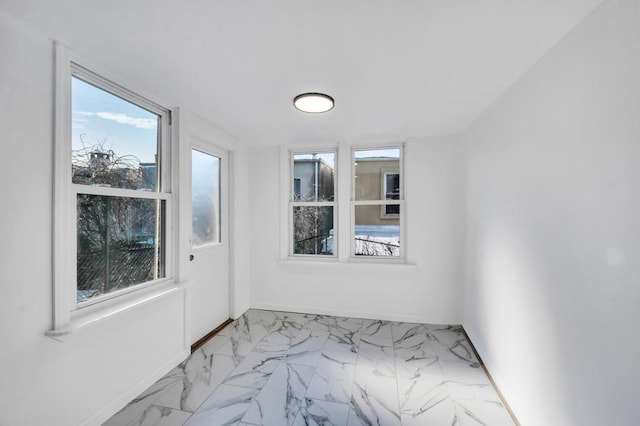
(313,102)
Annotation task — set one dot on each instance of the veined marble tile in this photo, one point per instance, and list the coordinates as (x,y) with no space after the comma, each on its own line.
(214,343)
(200,374)
(266,318)
(451,344)
(280,339)
(322,413)
(423,391)
(137,406)
(437,411)
(376,333)
(306,348)
(225,406)
(374,403)
(333,377)
(239,345)
(286,368)
(466,382)
(279,402)
(344,334)
(413,340)
(161,416)
(254,371)
(375,361)
(253,318)
(475,412)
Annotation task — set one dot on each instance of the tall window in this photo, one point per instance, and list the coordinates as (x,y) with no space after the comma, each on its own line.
(118,179)
(312,204)
(377,202)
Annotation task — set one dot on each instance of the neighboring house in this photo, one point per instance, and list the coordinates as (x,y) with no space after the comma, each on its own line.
(313,180)
(378,178)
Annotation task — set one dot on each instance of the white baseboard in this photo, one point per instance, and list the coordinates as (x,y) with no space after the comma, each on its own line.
(117,404)
(344,313)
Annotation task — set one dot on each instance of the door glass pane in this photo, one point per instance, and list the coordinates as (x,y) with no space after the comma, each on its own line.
(313,230)
(376,174)
(313,177)
(205,195)
(376,235)
(114,142)
(118,242)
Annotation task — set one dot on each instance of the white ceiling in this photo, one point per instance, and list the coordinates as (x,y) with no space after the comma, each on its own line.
(397,69)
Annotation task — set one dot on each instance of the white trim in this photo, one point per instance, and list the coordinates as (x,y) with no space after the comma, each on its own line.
(119,192)
(84,318)
(292,203)
(68,315)
(62,200)
(285,220)
(402,258)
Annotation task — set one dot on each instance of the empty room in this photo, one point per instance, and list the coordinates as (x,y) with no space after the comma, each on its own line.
(308,212)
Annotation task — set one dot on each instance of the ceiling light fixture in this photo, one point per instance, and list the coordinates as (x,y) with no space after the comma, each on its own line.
(313,102)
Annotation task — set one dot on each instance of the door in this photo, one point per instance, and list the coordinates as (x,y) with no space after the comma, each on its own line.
(209,290)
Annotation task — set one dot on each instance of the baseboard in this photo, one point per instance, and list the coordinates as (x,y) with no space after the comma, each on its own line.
(471,337)
(204,339)
(345,313)
(117,404)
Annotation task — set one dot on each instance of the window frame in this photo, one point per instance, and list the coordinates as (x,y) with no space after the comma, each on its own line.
(384,172)
(382,202)
(292,203)
(68,314)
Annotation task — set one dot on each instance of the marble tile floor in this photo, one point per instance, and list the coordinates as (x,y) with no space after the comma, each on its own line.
(280,368)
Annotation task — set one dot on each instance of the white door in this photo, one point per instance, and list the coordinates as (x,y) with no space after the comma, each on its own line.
(209,291)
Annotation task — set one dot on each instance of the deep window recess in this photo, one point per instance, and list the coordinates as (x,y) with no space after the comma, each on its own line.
(377,203)
(118,179)
(312,204)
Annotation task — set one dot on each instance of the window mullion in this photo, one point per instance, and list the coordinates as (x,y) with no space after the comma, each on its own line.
(119,192)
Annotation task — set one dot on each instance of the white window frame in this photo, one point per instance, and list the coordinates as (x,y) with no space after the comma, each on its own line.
(382,203)
(68,315)
(293,203)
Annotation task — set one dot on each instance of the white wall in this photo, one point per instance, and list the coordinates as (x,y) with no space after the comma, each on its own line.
(429,289)
(553,221)
(86,377)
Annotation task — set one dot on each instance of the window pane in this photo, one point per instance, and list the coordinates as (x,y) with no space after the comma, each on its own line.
(313,230)
(119,243)
(205,194)
(376,236)
(114,142)
(370,169)
(313,177)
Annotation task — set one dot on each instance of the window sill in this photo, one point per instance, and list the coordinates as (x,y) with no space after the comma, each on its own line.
(350,261)
(82,318)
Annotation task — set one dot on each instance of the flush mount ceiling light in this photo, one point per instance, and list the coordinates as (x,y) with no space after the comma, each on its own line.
(313,102)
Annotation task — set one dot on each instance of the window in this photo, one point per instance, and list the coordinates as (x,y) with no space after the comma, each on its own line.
(312,204)
(377,202)
(205,199)
(117,165)
(112,191)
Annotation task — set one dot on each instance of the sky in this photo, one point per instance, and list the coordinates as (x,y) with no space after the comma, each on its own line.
(102,118)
